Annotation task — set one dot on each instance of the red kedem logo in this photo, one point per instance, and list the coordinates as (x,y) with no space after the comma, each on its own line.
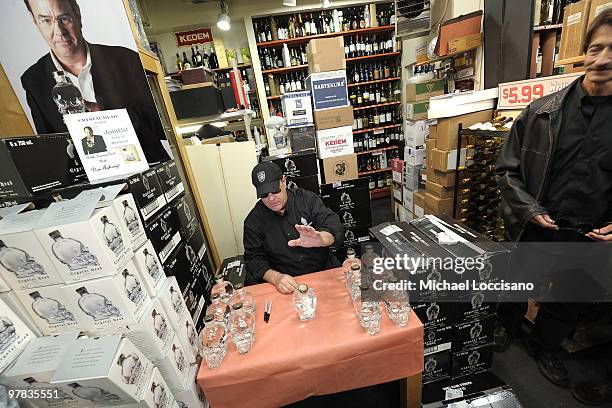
(335,142)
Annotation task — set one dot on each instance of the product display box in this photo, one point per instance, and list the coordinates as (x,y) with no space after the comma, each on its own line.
(302,139)
(186,211)
(34,369)
(472,361)
(438,339)
(109,369)
(416,132)
(335,142)
(340,168)
(473,334)
(474,305)
(437,367)
(346,195)
(191,396)
(397,170)
(439,190)
(355,236)
(356,217)
(297,109)
(397,192)
(443,394)
(326,54)
(13,302)
(150,269)
(23,261)
(233,270)
(15,335)
(414,156)
(171,298)
(147,192)
(333,118)
(422,91)
(417,110)
(50,310)
(20,178)
(83,242)
(446,130)
(108,303)
(164,233)
(407,198)
(170,180)
(157,393)
(198,100)
(153,333)
(575,24)
(296,165)
(132,225)
(310,183)
(174,367)
(328,90)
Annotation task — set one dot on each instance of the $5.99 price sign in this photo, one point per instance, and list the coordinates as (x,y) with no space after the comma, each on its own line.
(519,94)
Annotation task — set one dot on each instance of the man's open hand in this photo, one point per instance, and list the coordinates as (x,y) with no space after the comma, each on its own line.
(601,234)
(544,221)
(309,237)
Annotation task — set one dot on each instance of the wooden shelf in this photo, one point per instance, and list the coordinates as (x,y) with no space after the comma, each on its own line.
(299,40)
(230,68)
(367,57)
(283,70)
(548,27)
(447,56)
(381,149)
(365,173)
(569,61)
(380,192)
(348,60)
(380,105)
(377,81)
(355,132)
(272,98)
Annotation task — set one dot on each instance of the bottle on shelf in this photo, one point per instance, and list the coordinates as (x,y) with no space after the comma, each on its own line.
(179,63)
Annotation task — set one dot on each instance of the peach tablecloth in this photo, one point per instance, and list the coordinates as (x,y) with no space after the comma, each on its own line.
(292,360)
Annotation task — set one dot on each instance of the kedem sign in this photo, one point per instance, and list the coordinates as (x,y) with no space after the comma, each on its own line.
(199,36)
(329,89)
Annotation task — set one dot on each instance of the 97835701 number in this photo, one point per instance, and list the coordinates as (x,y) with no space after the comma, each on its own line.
(34,394)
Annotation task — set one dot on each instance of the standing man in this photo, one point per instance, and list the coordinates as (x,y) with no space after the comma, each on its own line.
(288,233)
(108,77)
(555,174)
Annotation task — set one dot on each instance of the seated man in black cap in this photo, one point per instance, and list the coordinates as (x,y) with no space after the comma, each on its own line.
(287,233)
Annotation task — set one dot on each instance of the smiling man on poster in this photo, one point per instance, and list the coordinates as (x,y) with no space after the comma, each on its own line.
(108,77)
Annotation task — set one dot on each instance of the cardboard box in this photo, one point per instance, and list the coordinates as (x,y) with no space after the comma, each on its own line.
(297,109)
(397,170)
(443,178)
(15,335)
(443,160)
(51,311)
(439,205)
(419,203)
(446,130)
(472,361)
(173,302)
(438,339)
(457,27)
(164,233)
(170,180)
(232,270)
(153,333)
(473,334)
(402,213)
(191,395)
(575,24)
(340,168)
(148,193)
(328,89)
(396,192)
(333,118)
(437,366)
(150,269)
(346,195)
(302,138)
(439,191)
(297,164)
(335,142)
(310,183)
(174,367)
(408,198)
(414,156)
(416,133)
(186,211)
(18,242)
(83,242)
(130,221)
(422,91)
(417,110)
(467,42)
(597,7)
(326,54)
(157,393)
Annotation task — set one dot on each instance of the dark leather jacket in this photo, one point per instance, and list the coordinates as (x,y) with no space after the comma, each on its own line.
(522,169)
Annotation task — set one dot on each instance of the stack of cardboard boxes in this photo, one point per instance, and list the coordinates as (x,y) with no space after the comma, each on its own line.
(333,113)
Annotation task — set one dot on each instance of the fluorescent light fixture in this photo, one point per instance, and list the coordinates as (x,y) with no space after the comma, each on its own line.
(290,3)
(326,3)
(223,22)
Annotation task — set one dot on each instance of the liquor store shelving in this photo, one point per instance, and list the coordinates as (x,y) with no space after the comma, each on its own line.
(365,173)
(301,40)
(377,81)
(377,150)
(284,70)
(355,132)
(380,105)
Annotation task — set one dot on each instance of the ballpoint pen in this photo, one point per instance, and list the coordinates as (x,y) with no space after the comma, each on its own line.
(267,311)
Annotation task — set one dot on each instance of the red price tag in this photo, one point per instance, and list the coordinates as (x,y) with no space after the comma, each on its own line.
(517,95)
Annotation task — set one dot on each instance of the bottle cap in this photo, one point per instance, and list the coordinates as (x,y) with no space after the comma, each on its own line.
(355,267)
(125,273)
(81,291)
(125,203)
(237,306)
(209,318)
(364,286)
(34,294)
(214,296)
(350,251)
(104,219)
(55,234)
(303,288)
(238,286)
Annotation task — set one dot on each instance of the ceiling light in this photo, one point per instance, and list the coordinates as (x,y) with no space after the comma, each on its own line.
(290,3)
(223,20)
(326,3)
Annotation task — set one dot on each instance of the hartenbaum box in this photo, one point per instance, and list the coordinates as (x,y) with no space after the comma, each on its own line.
(335,142)
(164,233)
(473,334)
(19,177)
(153,334)
(191,396)
(340,168)
(83,243)
(326,54)
(51,311)
(170,180)
(105,370)
(23,261)
(157,393)
(296,165)
(147,192)
(110,302)
(150,268)
(297,109)
(14,335)
(35,367)
(332,118)
(328,90)
(472,361)
(174,367)
(437,366)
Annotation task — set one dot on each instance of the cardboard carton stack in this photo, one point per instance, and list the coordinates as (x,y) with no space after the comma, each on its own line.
(297,109)
(333,113)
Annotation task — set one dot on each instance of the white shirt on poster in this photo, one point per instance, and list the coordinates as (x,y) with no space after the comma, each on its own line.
(84,81)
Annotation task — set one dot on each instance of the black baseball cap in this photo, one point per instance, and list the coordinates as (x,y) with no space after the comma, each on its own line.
(265,177)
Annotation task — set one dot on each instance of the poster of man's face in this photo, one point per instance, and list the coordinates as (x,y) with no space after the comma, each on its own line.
(72,56)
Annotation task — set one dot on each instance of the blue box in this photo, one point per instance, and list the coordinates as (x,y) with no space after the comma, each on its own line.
(328,89)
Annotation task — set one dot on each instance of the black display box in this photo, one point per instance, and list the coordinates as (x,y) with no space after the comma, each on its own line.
(341,186)
(302,139)
(296,165)
(164,233)
(233,270)
(356,236)
(198,243)
(444,393)
(197,102)
(355,217)
(23,169)
(186,212)
(472,361)
(438,338)
(433,314)
(351,195)
(473,334)
(148,193)
(310,183)
(437,367)
(170,180)
(474,306)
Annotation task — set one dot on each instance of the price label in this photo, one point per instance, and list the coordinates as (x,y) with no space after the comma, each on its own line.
(519,94)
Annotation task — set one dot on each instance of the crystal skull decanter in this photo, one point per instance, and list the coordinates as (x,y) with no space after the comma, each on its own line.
(96,305)
(130,368)
(94,394)
(72,252)
(131,218)
(7,333)
(159,395)
(151,265)
(132,287)
(58,396)
(179,358)
(66,96)
(112,236)
(159,323)
(50,309)
(19,262)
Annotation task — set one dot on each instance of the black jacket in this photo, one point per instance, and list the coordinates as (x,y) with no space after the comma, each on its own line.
(119,82)
(99,145)
(523,167)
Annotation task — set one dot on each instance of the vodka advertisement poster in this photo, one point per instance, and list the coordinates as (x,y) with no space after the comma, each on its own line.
(76,56)
(107,144)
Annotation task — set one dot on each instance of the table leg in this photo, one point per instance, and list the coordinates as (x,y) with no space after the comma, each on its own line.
(410,392)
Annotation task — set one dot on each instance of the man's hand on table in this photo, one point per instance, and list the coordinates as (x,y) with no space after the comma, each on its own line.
(311,238)
(284,283)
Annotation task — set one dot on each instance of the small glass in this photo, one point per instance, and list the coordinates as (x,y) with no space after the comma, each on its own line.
(305,302)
